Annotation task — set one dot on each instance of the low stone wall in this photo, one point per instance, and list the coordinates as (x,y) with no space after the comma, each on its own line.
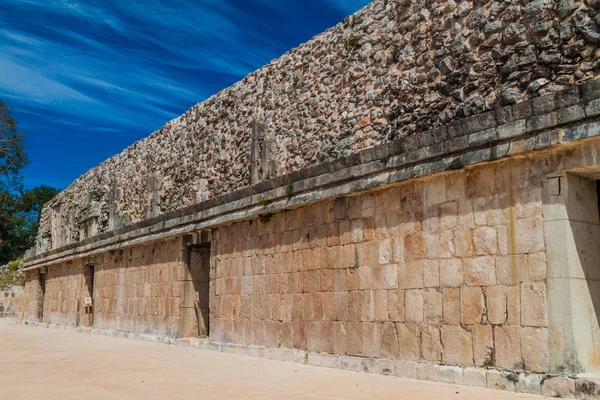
(10,301)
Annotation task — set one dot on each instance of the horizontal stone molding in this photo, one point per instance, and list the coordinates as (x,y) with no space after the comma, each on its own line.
(533,125)
(551,385)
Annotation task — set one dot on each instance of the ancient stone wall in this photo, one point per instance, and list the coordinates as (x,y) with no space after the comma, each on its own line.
(30,300)
(447,270)
(62,298)
(135,290)
(393,69)
(10,297)
(139,289)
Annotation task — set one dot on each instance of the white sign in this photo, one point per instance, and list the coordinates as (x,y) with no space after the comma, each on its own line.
(88,301)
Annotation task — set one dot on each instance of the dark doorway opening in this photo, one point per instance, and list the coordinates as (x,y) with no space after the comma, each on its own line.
(195,302)
(41,293)
(87,311)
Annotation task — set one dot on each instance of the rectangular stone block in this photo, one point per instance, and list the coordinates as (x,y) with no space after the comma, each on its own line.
(559,387)
(431,272)
(450,374)
(458,346)
(534,309)
(388,340)
(428,371)
(451,272)
(408,341)
(496,304)
(406,369)
(369,365)
(529,383)
(472,305)
(387,367)
(348,363)
(513,305)
(433,306)
(431,344)
(480,271)
(483,345)
(474,377)
(451,300)
(410,275)
(500,380)
(371,339)
(535,349)
(507,342)
(415,305)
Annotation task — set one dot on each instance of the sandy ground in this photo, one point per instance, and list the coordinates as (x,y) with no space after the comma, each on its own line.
(40,363)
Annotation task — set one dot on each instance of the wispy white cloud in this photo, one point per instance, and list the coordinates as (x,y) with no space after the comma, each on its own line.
(117,70)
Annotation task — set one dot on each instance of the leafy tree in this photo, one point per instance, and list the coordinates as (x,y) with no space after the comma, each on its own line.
(12,152)
(19,209)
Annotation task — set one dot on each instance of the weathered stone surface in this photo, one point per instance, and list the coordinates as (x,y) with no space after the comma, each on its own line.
(507,341)
(449,374)
(533,304)
(451,272)
(483,345)
(480,271)
(501,380)
(529,383)
(433,306)
(458,346)
(431,345)
(472,305)
(534,346)
(406,369)
(389,341)
(558,387)
(409,84)
(408,341)
(474,377)
(451,300)
(496,304)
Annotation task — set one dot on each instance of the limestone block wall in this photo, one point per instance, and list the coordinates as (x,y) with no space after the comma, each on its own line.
(10,297)
(30,301)
(447,270)
(394,69)
(135,290)
(63,294)
(138,289)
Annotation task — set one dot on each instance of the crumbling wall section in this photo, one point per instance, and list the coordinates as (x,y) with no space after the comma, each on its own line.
(393,69)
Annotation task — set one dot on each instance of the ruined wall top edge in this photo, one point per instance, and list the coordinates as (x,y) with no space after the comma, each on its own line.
(393,69)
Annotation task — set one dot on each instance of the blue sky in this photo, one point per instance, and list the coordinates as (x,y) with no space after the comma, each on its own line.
(86,79)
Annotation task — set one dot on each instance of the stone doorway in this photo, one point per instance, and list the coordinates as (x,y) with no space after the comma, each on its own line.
(195,294)
(86,309)
(41,294)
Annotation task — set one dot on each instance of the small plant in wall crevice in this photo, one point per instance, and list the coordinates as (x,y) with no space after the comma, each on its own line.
(264,218)
(352,42)
(290,189)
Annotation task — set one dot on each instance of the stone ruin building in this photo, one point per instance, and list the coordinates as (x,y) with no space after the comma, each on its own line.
(413,192)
